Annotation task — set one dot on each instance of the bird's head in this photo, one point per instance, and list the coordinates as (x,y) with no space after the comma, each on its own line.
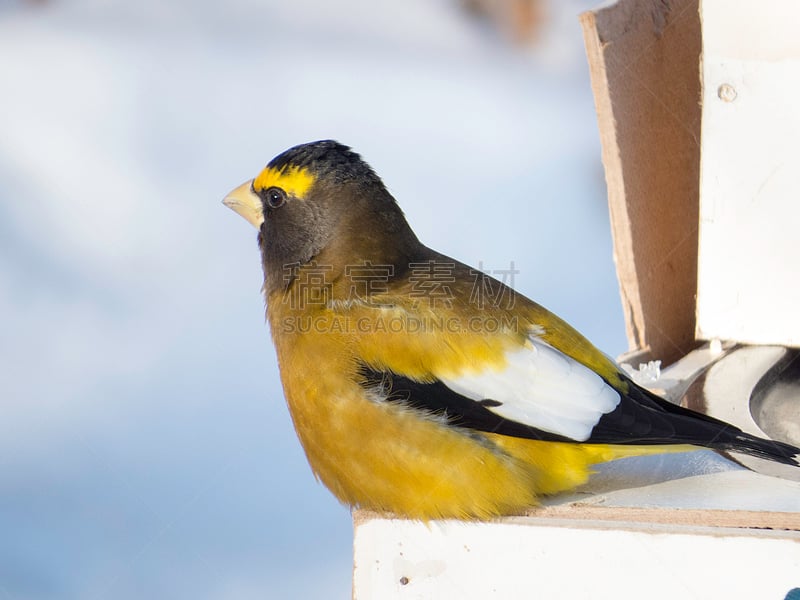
(321,200)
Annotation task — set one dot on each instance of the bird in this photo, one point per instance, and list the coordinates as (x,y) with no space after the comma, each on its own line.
(421,387)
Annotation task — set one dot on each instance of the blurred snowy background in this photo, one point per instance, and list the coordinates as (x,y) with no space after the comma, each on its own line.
(145,447)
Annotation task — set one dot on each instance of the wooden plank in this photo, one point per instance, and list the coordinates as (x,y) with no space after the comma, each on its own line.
(644,59)
(741,519)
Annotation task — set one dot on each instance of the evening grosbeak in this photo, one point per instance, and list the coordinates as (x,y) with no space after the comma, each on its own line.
(422,387)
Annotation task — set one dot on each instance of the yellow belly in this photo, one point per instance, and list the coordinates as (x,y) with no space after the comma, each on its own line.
(385,457)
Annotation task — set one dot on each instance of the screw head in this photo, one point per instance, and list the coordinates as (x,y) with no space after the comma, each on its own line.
(726,92)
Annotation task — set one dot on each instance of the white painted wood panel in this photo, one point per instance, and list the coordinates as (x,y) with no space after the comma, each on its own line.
(749,258)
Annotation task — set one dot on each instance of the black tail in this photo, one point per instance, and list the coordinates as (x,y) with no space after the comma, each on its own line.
(731,438)
(770,449)
(644,418)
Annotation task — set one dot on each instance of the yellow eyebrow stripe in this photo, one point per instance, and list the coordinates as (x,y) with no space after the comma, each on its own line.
(295,181)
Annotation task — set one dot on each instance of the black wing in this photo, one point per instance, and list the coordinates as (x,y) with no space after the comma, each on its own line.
(641,418)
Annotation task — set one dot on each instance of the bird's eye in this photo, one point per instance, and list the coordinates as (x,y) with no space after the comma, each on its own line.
(275,197)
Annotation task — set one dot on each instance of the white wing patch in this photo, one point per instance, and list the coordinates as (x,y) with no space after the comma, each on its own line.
(543,388)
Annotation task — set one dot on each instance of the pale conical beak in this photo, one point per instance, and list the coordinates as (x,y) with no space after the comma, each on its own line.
(247,203)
